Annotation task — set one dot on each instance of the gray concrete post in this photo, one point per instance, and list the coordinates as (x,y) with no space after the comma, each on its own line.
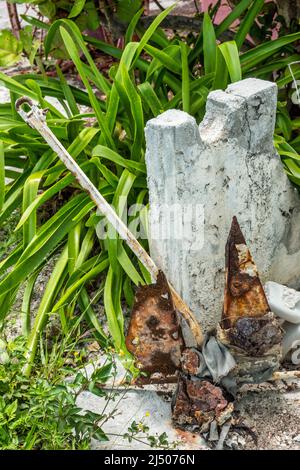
(199,178)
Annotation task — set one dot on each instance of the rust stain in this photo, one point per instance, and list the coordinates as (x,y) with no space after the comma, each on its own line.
(244,294)
(186,436)
(256,335)
(199,402)
(154,335)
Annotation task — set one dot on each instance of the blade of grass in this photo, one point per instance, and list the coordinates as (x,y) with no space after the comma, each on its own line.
(29,195)
(209,45)
(132,25)
(185,78)
(2,176)
(44,309)
(233,16)
(149,32)
(94,101)
(231,55)
(150,97)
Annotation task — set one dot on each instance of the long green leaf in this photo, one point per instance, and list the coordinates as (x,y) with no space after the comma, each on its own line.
(165,59)
(113,99)
(74,31)
(77,8)
(137,113)
(73,246)
(87,310)
(105,152)
(259,53)
(231,56)
(70,292)
(151,98)
(128,266)
(29,196)
(111,315)
(42,245)
(221,75)
(44,309)
(132,25)
(233,16)
(94,101)
(209,44)
(26,304)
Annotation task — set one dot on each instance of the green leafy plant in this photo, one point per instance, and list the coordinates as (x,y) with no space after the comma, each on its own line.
(42,412)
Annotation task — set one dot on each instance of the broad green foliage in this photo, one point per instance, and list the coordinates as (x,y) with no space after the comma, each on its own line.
(42,412)
(58,221)
(10,48)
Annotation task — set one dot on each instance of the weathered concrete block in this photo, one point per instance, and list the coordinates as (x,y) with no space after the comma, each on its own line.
(199,178)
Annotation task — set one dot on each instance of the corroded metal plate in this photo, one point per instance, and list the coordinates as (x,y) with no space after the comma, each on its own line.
(247,321)
(244,294)
(154,335)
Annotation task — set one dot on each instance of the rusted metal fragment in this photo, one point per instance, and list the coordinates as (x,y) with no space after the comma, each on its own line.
(256,335)
(244,294)
(190,361)
(154,335)
(199,402)
(250,368)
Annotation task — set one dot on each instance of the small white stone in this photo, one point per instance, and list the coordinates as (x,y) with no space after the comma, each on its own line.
(284,302)
(227,166)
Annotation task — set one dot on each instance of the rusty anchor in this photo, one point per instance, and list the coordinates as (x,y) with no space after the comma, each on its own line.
(248,328)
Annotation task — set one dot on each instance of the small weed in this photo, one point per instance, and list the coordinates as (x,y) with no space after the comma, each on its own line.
(41,413)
